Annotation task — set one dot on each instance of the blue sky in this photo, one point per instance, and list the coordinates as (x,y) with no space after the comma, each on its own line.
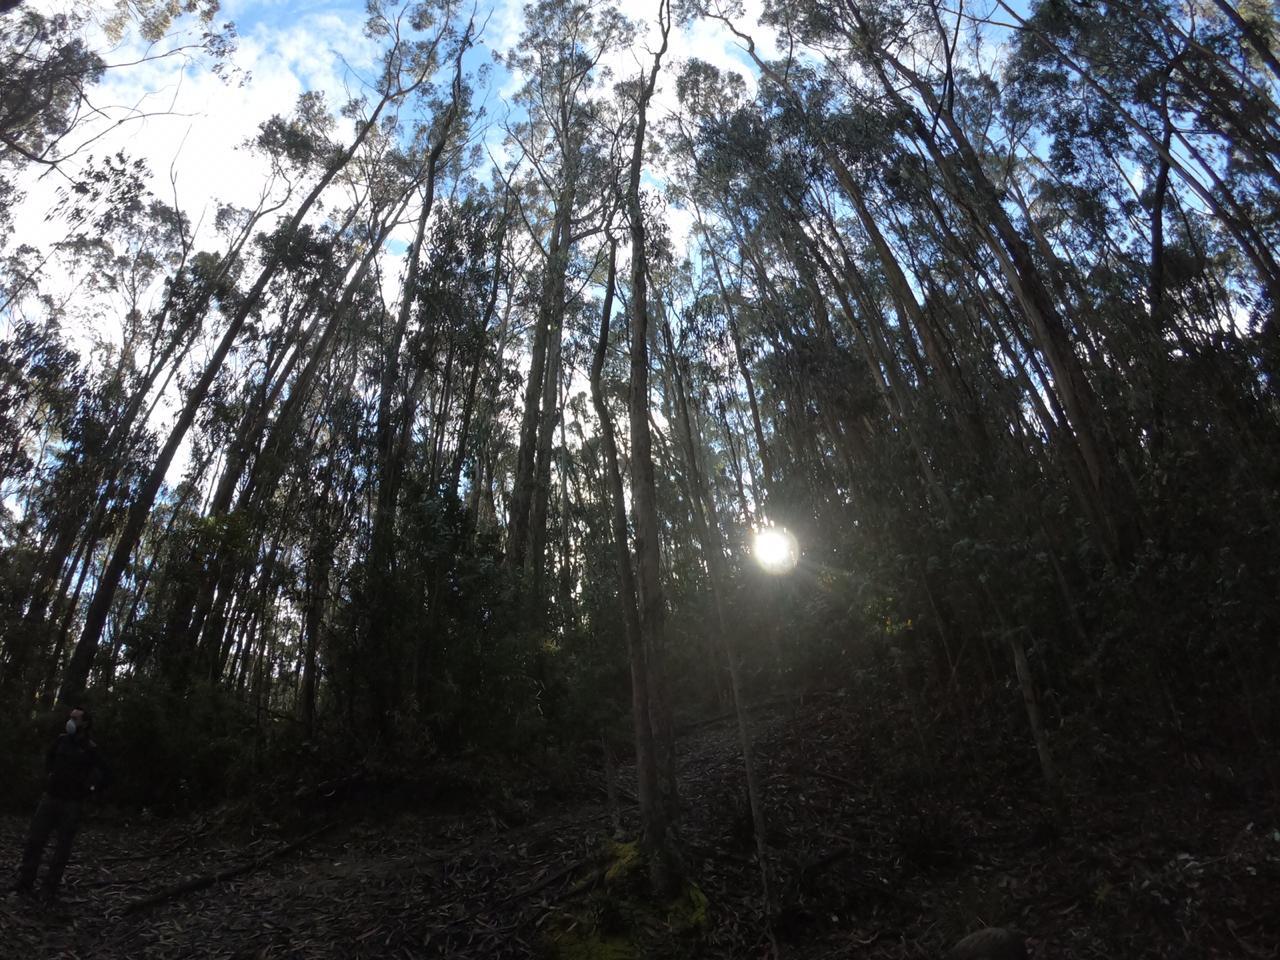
(196,121)
(188,124)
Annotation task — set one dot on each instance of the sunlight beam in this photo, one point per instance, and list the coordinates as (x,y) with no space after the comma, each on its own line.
(776,550)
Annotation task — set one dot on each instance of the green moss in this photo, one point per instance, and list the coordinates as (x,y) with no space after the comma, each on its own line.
(626,857)
(688,912)
(621,914)
(572,946)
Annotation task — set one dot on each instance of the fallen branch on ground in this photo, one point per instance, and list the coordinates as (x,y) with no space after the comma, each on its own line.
(166,851)
(230,873)
(832,778)
(521,894)
(808,871)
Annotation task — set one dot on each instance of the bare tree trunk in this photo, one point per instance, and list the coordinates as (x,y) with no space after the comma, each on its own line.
(478,364)
(564,585)
(77,672)
(391,424)
(643,484)
(317,598)
(536,558)
(652,816)
(1257,40)
(740,358)
(523,488)
(1225,207)
(708,532)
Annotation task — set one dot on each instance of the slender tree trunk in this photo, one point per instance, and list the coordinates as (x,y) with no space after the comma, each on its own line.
(1223,207)
(708,532)
(1257,40)
(317,599)
(643,483)
(739,356)
(549,416)
(540,391)
(77,672)
(477,366)
(392,425)
(651,812)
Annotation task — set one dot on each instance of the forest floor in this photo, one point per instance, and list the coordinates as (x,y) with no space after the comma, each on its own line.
(876,852)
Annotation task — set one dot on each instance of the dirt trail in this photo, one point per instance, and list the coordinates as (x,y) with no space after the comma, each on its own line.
(877,853)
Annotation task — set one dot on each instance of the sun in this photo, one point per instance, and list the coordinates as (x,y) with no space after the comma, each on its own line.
(775,550)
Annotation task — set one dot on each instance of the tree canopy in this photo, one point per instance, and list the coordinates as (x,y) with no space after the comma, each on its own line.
(459,439)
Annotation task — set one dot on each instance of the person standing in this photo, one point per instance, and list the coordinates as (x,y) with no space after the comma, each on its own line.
(74,771)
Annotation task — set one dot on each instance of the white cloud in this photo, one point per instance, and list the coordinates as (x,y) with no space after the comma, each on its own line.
(187,123)
(202,141)
(505,25)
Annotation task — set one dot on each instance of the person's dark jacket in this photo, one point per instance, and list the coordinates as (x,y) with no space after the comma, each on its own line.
(74,768)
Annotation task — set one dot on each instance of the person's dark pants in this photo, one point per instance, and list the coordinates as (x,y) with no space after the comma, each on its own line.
(62,816)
